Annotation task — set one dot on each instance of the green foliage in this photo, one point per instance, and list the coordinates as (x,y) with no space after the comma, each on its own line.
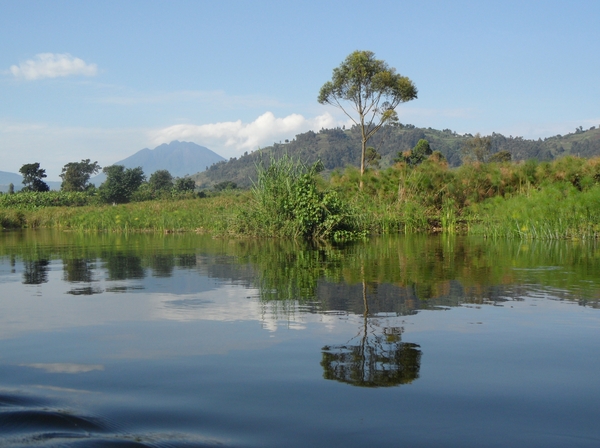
(30,200)
(372,157)
(160,181)
(225,185)
(121,183)
(32,177)
(417,155)
(501,156)
(373,90)
(338,148)
(184,185)
(477,149)
(559,211)
(76,175)
(531,200)
(288,203)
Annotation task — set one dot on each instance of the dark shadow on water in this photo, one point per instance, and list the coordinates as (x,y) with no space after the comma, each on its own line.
(27,420)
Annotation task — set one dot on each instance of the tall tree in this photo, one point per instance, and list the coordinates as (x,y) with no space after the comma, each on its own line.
(120,183)
(32,177)
(372,90)
(76,175)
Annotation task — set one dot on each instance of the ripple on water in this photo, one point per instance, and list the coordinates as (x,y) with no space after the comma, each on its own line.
(27,420)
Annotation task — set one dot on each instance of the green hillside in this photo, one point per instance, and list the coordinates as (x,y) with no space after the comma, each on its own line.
(337,148)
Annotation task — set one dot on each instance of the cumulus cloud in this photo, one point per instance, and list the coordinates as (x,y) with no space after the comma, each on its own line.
(52,65)
(233,137)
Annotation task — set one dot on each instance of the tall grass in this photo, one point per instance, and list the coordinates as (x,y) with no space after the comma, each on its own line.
(287,202)
(556,212)
(528,199)
(210,215)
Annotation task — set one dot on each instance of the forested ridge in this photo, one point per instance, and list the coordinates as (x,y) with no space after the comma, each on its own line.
(337,148)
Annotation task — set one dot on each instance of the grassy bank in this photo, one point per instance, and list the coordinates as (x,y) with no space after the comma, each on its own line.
(211,215)
(547,200)
(526,200)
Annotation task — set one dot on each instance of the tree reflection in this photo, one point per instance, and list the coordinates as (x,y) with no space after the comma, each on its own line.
(123,266)
(35,271)
(376,361)
(78,270)
(162,265)
(371,359)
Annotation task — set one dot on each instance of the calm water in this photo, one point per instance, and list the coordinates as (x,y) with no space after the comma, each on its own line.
(182,340)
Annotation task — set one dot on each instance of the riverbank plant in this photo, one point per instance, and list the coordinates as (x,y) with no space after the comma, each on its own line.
(286,201)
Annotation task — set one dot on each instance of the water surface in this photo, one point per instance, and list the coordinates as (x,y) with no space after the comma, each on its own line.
(183,340)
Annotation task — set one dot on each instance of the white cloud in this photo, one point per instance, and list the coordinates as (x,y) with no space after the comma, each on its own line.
(233,137)
(52,65)
(65,367)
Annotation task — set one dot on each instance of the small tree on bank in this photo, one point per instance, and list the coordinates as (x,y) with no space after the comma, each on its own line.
(373,91)
(76,175)
(32,177)
(120,183)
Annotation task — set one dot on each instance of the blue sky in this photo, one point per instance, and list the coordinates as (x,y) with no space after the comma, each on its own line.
(102,80)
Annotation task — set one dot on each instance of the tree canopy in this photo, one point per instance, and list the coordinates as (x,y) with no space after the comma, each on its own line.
(184,184)
(477,149)
(76,175)
(161,181)
(368,91)
(32,177)
(417,155)
(121,183)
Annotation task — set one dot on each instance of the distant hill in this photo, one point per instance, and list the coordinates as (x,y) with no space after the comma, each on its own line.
(179,158)
(17,180)
(10,178)
(337,148)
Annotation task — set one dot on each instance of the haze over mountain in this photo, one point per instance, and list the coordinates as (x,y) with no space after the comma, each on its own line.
(7,178)
(179,158)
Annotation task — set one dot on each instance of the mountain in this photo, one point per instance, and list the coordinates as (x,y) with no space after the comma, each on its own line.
(17,180)
(179,158)
(10,178)
(337,148)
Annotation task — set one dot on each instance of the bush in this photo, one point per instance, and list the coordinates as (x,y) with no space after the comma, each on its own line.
(287,202)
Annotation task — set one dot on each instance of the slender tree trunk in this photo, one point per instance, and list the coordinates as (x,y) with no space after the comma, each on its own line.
(362,161)
(363,147)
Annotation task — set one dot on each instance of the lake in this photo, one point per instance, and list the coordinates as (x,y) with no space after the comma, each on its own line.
(182,340)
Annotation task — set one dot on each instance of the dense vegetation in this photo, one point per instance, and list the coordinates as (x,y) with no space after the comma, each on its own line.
(338,148)
(550,200)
